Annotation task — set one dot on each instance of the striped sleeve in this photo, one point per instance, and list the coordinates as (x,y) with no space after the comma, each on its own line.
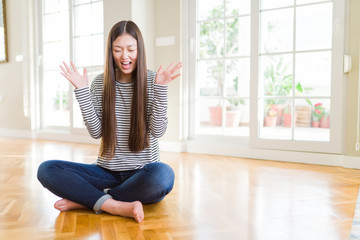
(90,116)
(158,119)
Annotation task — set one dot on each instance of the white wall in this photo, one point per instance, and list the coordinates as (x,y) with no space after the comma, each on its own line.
(168,24)
(15,76)
(142,12)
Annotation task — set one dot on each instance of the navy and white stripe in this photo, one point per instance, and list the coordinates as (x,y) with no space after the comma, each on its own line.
(91,107)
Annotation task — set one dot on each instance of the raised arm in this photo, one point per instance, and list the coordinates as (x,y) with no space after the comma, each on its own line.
(158,119)
(88,103)
(72,74)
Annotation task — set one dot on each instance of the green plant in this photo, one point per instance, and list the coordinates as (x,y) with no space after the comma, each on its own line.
(212,44)
(235,102)
(318,111)
(277,81)
(61,100)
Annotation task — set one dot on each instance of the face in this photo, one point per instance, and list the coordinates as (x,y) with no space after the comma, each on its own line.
(125,54)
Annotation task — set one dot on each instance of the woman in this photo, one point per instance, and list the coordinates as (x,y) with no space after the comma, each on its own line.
(127,108)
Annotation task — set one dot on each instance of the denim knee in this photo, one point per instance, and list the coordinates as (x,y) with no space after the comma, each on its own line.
(168,177)
(43,172)
(162,180)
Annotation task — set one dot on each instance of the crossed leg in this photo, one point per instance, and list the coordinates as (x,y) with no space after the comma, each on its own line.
(124,209)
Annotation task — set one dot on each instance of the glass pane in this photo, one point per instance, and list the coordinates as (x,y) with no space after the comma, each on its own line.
(210,76)
(54,54)
(97,18)
(314,27)
(313,74)
(238,36)
(82,51)
(82,20)
(277,31)
(98,50)
(313,120)
(211,42)
(89,51)
(56,26)
(238,77)
(276,74)
(208,9)
(276,119)
(55,6)
(237,117)
(55,100)
(88,19)
(237,7)
(269,4)
(209,115)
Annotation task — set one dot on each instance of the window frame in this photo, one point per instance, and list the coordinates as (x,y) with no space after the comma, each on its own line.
(335,145)
(71,101)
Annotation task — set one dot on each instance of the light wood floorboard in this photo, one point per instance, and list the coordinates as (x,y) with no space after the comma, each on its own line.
(214,197)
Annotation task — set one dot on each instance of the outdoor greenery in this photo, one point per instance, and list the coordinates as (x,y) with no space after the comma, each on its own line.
(277,81)
(213,44)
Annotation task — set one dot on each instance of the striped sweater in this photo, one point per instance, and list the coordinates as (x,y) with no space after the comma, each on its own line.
(91,107)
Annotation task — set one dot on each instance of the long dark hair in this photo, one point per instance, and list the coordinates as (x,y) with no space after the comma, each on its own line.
(138,135)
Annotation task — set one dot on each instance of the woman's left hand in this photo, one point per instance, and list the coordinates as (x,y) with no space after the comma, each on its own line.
(164,77)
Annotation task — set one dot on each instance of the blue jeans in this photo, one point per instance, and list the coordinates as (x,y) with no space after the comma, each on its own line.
(90,185)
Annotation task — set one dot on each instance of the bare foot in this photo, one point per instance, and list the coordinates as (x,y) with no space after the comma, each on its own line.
(125,209)
(65,205)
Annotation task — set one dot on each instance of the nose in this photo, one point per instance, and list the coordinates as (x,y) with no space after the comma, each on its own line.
(125,55)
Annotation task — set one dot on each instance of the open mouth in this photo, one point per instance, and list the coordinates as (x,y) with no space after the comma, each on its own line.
(126,65)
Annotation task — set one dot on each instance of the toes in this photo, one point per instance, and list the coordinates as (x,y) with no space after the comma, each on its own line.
(138,218)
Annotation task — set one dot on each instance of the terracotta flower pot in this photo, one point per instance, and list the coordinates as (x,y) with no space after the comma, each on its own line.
(233,118)
(216,116)
(315,124)
(270,121)
(287,120)
(325,122)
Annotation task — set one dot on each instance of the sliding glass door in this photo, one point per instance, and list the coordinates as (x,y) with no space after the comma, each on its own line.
(269,72)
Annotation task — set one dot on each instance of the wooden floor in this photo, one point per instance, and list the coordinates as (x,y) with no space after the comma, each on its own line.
(214,197)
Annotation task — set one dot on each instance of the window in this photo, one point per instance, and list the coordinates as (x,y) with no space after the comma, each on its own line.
(268,71)
(223,67)
(72,30)
(295,69)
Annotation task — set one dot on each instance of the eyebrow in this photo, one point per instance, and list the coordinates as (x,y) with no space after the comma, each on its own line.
(132,45)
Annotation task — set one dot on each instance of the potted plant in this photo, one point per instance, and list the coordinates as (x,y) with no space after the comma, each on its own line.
(325,120)
(277,83)
(270,118)
(233,112)
(287,117)
(317,114)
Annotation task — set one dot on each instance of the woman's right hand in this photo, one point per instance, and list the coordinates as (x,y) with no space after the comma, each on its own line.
(74,76)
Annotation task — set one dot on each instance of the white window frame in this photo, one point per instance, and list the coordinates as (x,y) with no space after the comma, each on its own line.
(335,145)
(48,131)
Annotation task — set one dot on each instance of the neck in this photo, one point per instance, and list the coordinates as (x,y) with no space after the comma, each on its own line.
(123,78)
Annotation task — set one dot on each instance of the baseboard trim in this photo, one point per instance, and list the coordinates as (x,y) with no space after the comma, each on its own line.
(172,146)
(48,135)
(16,133)
(243,151)
(352,162)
